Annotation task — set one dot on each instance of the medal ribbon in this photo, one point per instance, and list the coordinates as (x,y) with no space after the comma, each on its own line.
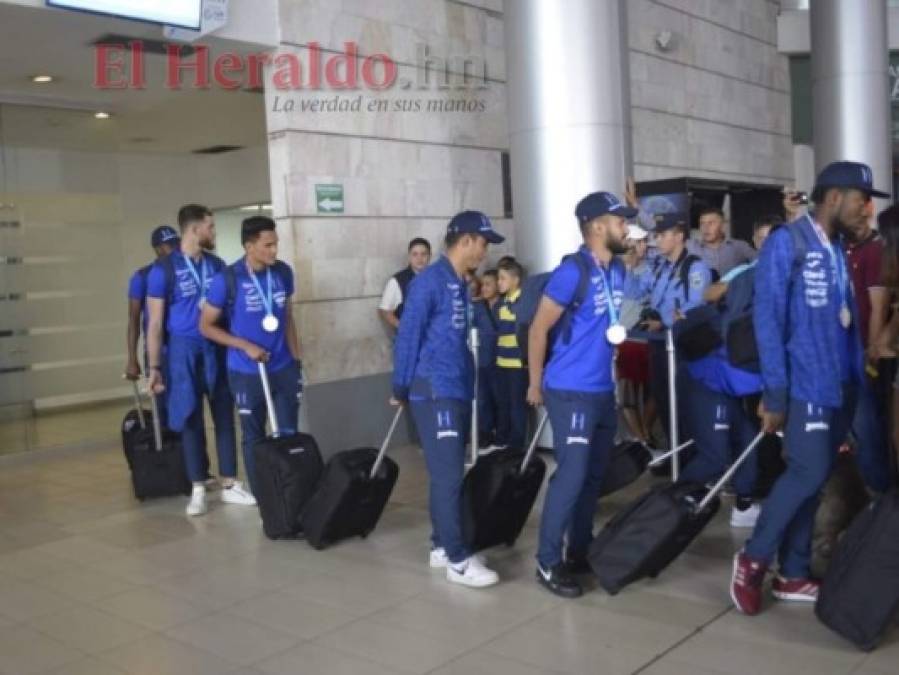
(265,298)
(837,262)
(199,277)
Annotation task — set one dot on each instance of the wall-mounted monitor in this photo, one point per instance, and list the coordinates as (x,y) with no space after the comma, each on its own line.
(181,13)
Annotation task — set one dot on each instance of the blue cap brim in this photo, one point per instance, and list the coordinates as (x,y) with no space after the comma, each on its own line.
(493,237)
(624,211)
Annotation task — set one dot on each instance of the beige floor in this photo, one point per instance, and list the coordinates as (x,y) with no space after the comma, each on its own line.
(93,583)
(74,426)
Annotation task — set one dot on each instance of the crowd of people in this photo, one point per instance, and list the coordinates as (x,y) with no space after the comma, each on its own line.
(805,330)
(805,319)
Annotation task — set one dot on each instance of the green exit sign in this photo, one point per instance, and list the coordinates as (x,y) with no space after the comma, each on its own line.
(329,198)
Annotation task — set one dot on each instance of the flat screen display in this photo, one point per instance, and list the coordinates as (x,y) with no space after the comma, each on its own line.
(181,13)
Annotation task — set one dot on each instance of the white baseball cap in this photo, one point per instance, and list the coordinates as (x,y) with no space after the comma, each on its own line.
(636,232)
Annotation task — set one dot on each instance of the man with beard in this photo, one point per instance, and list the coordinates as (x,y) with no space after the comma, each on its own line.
(807,328)
(196,365)
(577,385)
(434,372)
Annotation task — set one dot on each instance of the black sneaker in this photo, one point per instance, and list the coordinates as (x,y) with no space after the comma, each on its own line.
(577,564)
(558,581)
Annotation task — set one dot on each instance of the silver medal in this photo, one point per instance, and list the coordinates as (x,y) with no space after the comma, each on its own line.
(270,323)
(845,317)
(616,334)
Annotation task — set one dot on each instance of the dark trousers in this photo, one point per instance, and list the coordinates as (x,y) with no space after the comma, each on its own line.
(249,399)
(812,437)
(584,428)
(722,430)
(512,406)
(487,400)
(442,426)
(196,371)
(869,427)
(659,389)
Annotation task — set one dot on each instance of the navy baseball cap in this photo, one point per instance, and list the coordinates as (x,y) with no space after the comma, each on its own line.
(474,222)
(849,175)
(599,204)
(164,234)
(665,221)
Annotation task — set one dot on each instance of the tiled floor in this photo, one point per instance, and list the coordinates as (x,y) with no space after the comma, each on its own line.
(93,582)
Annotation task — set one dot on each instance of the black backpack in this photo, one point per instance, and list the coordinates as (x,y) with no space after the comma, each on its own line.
(737,325)
(532,292)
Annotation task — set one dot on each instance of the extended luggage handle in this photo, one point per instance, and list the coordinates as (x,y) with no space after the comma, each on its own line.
(474,342)
(383,451)
(157,426)
(673,431)
(137,405)
(269,403)
(671,453)
(716,488)
(533,446)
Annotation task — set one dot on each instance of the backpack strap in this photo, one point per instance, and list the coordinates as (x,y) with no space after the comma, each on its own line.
(230,287)
(684,273)
(580,293)
(168,268)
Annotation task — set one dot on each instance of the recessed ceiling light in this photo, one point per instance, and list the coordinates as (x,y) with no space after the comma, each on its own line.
(102,115)
(42,79)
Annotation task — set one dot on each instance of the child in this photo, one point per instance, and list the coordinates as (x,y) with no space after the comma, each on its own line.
(486,322)
(511,376)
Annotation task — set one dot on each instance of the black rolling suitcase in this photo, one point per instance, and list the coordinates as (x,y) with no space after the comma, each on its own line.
(646,537)
(135,421)
(353,492)
(859,597)
(157,461)
(288,469)
(628,461)
(498,493)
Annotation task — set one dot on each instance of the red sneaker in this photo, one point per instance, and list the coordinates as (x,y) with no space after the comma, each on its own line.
(797,590)
(746,584)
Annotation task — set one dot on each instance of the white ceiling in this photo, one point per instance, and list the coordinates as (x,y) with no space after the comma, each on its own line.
(60,115)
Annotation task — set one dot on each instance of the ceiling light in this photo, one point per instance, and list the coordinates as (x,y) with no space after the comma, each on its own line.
(42,79)
(251,207)
(102,115)
(266,207)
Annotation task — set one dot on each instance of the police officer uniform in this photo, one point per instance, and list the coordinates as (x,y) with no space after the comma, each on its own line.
(671,287)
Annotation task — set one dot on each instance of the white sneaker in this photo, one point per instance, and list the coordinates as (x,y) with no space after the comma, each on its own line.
(438,559)
(471,573)
(236,493)
(746,518)
(197,504)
